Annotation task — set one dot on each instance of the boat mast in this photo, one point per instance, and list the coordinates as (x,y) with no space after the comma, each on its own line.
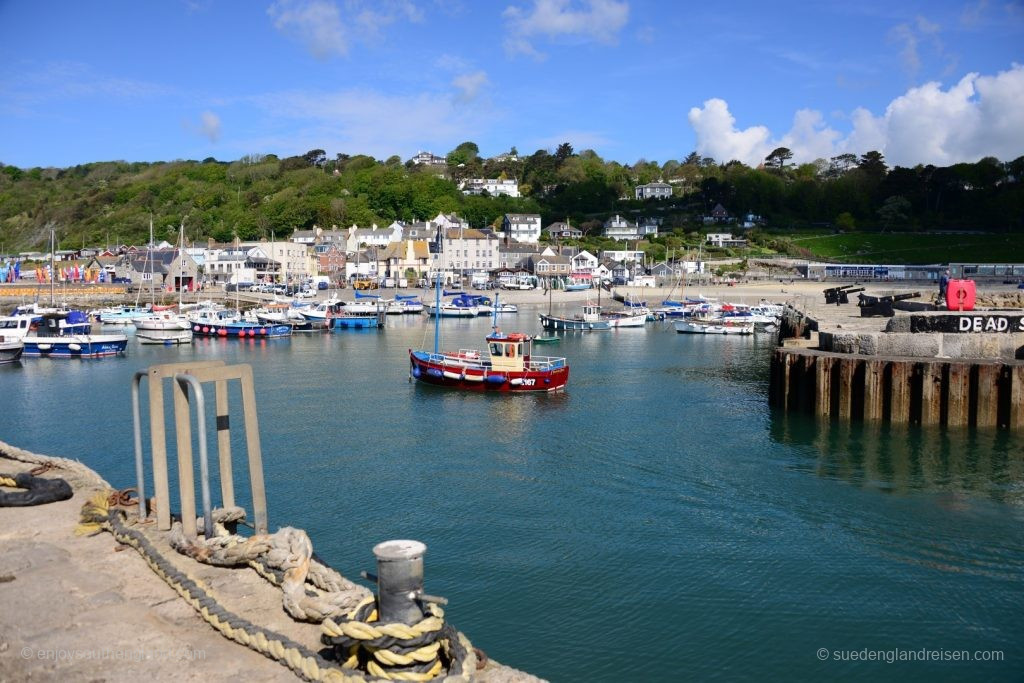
(181,261)
(437,292)
(152,294)
(53,270)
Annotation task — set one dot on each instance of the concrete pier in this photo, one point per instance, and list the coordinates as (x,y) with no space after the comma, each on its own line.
(937,368)
(84,608)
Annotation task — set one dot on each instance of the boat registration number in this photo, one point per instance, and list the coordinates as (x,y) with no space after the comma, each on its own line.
(529,382)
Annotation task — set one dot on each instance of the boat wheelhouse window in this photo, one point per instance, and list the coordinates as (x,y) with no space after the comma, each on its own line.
(510,350)
(496,349)
(520,347)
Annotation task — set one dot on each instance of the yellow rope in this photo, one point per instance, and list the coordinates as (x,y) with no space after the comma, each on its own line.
(95,517)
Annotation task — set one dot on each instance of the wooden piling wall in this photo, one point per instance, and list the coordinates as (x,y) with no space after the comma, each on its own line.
(923,391)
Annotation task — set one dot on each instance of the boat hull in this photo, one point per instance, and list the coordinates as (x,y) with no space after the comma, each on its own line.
(550,322)
(429,369)
(11,351)
(452,312)
(688,327)
(627,320)
(77,346)
(162,325)
(240,330)
(165,337)
(353,322)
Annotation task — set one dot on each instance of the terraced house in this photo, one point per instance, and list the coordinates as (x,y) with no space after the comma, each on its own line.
(522,227)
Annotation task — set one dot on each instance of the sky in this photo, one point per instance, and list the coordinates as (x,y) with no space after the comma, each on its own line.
(922,81)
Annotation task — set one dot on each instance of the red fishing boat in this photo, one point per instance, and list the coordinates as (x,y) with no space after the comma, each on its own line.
(507,365)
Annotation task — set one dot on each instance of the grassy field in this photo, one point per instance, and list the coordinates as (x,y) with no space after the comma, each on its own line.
(913,248)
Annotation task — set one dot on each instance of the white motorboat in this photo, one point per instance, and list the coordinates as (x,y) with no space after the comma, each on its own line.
(162,320)
(165,337)
(689,326)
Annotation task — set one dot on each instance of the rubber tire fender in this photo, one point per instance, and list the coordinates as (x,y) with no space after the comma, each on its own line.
(38,491)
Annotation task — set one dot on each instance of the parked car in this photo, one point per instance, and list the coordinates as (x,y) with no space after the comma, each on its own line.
(306,294)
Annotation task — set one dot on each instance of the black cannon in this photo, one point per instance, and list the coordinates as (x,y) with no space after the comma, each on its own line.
(871,306)
(840,295)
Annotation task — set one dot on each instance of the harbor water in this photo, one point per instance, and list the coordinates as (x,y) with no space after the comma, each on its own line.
(654,522)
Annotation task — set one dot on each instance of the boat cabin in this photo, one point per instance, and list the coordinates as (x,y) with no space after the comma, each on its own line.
(509,351)
(65,323)
(591,313)
(17,326)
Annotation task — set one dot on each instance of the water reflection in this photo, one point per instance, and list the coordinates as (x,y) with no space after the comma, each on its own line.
(903,459)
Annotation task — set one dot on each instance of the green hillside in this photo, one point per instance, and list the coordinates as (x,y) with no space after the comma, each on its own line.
(843,209)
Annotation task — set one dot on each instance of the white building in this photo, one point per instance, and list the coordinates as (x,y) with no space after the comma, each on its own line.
(372,236)
(469,250)
(583,265)
(654,191)
(725,239)
(623,255)
(618,228)
(493,186)
(428,159)
(295,261)
(522,227)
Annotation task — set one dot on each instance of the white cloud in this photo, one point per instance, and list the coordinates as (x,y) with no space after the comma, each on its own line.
(366,122)
(317,23)
(209,126)
(593,20)
(910,36)
(978,116)
(30,92)
(469,85)
(383,13)
(717,136)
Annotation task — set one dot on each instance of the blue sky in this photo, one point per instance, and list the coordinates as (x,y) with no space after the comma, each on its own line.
(922,81)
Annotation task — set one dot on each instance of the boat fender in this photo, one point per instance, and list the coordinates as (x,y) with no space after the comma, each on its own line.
(416,372)
(516,381)
(38,490)
(434,372)
(44,347)
(496,379)
(75,347)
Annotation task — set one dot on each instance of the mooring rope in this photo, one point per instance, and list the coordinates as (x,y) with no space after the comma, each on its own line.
(447,644)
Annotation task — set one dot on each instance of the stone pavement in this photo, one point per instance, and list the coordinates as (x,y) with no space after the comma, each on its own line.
(75,608)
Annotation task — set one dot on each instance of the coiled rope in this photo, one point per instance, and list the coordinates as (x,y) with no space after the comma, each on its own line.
(397,651)
(98,515)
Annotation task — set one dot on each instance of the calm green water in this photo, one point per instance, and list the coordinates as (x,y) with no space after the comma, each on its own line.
(655,522)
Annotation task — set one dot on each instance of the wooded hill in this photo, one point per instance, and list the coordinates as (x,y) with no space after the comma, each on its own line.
(262,196)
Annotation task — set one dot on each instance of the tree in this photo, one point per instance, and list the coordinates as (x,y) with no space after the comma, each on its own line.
(894,210)
(873,164)
(315,157)
(838,165)
(563,152)
(778,158)
(692,159)
(846,222)
(463,154)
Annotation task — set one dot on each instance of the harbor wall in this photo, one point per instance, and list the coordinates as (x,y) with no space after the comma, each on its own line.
(933,368)
(899,390)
